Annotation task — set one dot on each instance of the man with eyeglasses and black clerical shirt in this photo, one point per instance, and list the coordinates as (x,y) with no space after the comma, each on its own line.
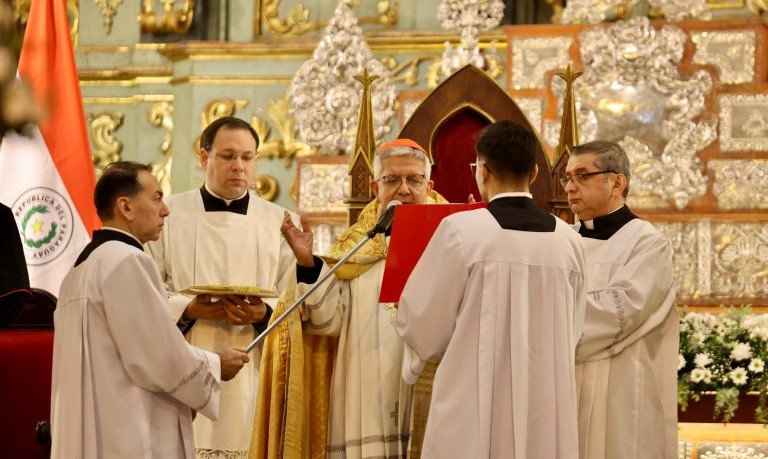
(626,362)
(225,234)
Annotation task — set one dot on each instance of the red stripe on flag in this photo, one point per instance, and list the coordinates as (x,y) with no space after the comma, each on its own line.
(47,64)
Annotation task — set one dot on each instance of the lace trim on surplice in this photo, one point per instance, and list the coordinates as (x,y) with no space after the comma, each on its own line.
(208,453)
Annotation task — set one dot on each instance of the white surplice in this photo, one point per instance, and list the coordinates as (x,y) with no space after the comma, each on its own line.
(369,400)
(503,308)
(124,378)
(627,360)
(225,248)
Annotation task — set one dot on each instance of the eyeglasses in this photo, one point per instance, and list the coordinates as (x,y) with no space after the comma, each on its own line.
(229,158)
(411,181)
(578,179)
(473,166)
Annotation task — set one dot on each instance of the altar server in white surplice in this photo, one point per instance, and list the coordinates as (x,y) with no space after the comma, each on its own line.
(626,370)
(124,380)
(499,293)
(225,234)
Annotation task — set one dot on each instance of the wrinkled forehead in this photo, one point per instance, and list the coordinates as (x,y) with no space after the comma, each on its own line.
(403,165)
(581,163)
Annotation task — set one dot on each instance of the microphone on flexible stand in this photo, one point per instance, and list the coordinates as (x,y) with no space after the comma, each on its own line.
(385,221)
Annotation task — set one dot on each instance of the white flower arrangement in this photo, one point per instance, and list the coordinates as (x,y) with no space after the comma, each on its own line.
(724,354)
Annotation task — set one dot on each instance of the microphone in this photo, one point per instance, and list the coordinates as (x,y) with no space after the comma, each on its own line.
(385,221)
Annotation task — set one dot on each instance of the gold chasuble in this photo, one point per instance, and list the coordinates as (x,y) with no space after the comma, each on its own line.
(291,417)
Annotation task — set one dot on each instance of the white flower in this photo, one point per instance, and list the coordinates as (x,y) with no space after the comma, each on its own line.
(680,362)
(697,375)
(698,337)
(707,376)
(738,376)
(741,351)
(756,366)
(702,360)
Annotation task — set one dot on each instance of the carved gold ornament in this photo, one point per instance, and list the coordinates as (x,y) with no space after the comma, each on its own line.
(106,148)
(297,20)
(266,186)
(108,10)
(173,21)
(21,15)
(758,6)
(287,146)
(160,114)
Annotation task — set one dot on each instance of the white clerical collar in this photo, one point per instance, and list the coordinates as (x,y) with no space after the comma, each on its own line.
(112,228)
(590,224)
(228,201)
(512,194)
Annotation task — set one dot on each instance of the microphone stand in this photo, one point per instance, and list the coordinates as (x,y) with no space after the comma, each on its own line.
(370,235)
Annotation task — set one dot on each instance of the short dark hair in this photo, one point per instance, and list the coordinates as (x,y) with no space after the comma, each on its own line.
(226,122)
(609,156)
(508,149)
(119,179)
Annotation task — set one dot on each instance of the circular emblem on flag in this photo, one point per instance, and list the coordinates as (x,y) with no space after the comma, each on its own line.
(45,219)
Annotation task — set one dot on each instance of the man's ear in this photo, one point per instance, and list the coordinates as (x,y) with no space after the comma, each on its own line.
(375,188)
(204,158)
(124,208)
(620,184)
(534,175)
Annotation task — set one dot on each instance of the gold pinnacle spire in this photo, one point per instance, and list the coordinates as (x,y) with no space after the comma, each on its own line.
(569,128)
(361,163)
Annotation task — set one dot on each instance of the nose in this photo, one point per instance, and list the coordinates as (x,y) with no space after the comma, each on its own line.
(570,186)
(238,163)
(403,187)
(164,210)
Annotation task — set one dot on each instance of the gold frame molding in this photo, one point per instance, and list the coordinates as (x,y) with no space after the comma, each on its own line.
(297,22)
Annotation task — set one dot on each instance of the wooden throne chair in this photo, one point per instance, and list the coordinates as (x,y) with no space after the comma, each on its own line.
(447,124)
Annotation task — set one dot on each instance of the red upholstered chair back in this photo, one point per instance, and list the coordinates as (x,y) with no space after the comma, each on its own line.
(26,354)
(448,122)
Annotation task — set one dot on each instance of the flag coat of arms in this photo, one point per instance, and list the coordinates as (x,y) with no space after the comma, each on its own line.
(47,178)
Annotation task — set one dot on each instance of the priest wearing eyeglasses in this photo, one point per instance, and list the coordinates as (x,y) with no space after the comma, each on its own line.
(368,414)
(626,362)
(224,234)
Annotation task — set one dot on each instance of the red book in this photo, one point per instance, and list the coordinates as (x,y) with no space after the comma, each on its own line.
(412,228)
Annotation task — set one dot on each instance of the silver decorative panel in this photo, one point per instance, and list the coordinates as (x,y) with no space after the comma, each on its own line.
(718,258)
(532,58)
(409,107)
(684,449)
(740,260)
(728,450)
(324,187)
(740,183)
(531,107)
(324,236)
(731,52)
(743,122)
(684,240)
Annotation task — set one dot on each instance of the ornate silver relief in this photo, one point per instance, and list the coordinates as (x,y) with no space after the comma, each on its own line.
(740,259)
(409,107)
(324,188)
(732,52)
(683,236)
(740,184)
(684,449)
(325,235)
(532,108)
(632,89)
(596,11)
(743,122)
(324,95)
(732,451)
(469,17)
(532,58)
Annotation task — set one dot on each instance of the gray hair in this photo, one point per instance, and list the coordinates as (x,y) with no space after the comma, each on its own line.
(400,151)
(608,156)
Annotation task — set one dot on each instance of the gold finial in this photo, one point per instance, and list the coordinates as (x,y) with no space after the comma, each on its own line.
(569,128)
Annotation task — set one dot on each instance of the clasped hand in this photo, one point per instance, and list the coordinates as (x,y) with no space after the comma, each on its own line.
(235,309)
